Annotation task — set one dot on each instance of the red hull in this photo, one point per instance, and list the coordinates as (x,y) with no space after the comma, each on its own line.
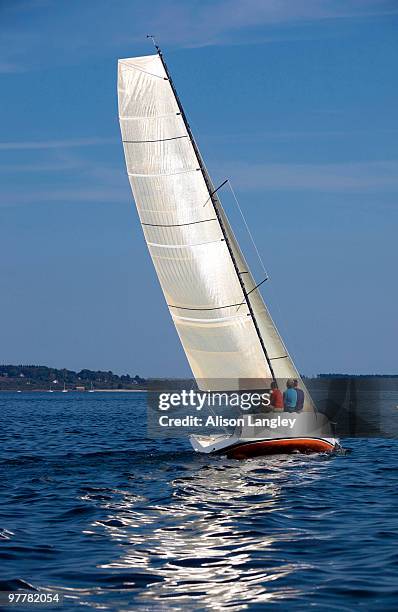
(274,447)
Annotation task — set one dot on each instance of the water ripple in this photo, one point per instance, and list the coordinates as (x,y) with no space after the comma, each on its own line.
(121,521)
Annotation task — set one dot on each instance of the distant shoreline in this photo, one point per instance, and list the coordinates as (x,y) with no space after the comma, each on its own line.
(74,391)
(43,378)
(116,391)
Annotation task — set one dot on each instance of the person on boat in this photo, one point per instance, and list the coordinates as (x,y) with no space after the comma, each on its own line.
(300,396)
(276,397)
(290,396)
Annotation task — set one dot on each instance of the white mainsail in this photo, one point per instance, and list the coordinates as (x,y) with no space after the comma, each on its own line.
(192,246)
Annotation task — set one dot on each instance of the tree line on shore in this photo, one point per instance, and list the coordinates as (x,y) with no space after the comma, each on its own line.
(34,377)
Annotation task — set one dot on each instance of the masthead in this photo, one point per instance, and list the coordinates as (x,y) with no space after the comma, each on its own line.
(154,43)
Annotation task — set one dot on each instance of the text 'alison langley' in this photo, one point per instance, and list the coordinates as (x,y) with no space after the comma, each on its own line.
(220,421)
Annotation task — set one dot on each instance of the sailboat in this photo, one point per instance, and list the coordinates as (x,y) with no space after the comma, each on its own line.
(224,326)
(64,390)
(91,390)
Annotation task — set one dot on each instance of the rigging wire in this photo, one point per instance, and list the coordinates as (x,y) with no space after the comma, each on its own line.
(271,292)
(248,229)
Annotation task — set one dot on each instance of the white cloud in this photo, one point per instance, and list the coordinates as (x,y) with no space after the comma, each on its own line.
(77,180)
(109,184)
(101,194)
(350,177)
(61,166)
(55,144)
(9,67)
(204,23)
(94,28)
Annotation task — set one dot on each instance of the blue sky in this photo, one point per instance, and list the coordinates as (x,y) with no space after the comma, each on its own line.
(295,102)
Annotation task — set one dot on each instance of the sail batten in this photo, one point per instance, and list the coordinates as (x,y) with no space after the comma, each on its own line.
(216,321)
(179,246)
(177,224)
(143,117)
(199,264)
(158,140)
(163,173)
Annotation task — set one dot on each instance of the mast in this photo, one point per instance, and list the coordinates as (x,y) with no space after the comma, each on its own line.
(214,201)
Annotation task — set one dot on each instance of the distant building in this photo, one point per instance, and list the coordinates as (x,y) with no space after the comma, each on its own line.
(80,388)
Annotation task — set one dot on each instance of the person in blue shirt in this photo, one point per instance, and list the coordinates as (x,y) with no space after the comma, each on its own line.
(290,396)
(300,397)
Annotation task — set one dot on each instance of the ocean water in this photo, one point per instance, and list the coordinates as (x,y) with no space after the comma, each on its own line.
(92,508)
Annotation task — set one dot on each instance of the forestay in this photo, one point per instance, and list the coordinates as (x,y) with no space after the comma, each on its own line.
(185,239)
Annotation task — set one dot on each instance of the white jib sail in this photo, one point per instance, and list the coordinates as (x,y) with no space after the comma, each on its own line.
(185,239)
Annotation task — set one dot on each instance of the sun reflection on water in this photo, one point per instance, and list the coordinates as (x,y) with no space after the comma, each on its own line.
(212,538)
